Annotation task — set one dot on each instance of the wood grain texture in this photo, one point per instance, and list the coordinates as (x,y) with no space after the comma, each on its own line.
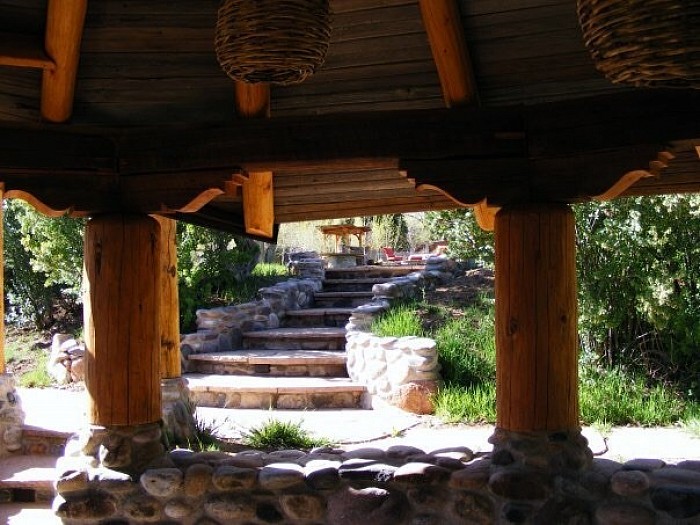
(443,25)
(252,100)
(170,365)
(536,339)
(23,51)
(122,319)
(258,204)
(64,31)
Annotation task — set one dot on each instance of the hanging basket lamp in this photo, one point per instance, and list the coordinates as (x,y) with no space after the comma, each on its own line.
(653,43)
(276,41)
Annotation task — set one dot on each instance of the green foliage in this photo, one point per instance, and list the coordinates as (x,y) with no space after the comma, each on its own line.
(391,230)
(474,404)
(211,265)
(467,349)
(38,260)
(280,435)
(38,376)
(639,284)
(400,321)
(614,396)
(466,240)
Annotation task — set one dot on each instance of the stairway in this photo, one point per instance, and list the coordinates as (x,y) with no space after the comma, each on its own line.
(27,478)
(300,365)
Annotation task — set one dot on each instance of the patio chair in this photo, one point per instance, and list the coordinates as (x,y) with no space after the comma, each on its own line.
(390,255)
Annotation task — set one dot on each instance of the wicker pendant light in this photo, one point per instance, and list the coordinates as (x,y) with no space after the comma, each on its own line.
(644,42)
(276,41)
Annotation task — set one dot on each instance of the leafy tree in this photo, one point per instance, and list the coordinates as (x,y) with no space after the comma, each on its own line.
(391,230)
(466,240)
(210,264)
(38,257)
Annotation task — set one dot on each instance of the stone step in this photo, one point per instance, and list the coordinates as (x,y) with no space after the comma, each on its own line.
(37,441)
(309,317)
(361,284)
(315,338)
(297,363)
(341,299)
(259,392)
(25,478)
(366,272)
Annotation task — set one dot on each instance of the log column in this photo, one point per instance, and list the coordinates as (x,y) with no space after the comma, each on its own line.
(122,338)
(536,337)
(178,418)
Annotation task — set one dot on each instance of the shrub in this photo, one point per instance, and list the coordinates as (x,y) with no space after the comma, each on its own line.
(280,435)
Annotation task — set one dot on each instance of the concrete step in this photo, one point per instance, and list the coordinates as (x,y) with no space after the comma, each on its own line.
(318,317)
(37,441)
(321,338)
(258,392)
(27,478)
(360,284)
(341,299)
(298,363)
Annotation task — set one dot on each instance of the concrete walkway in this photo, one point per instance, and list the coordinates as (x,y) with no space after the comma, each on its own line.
(64,410)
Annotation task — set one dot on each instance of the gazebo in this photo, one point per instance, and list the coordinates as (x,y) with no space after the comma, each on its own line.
(118,111)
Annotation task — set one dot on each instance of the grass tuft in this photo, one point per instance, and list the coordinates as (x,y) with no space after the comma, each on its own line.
(37,377)
(280,435)
(474,404)
(400,321)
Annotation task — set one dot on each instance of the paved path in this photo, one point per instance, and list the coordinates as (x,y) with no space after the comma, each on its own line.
(385,426)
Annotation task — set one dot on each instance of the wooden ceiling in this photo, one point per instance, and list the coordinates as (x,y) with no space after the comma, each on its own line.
(153,124)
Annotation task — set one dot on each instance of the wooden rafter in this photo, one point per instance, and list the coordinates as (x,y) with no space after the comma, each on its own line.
(253,101)
(64,31)
(23,51)
(443,25)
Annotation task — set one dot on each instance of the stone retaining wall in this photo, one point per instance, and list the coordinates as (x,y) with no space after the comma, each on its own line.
(221,329)
(403,371)
(401,486)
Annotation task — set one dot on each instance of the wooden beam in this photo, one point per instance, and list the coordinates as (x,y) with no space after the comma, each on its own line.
(252,100)
(258,204)
(486,216)
(443,25)
(64,31)
(23,51)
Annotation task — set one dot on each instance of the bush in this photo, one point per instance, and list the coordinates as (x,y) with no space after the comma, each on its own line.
(281,435)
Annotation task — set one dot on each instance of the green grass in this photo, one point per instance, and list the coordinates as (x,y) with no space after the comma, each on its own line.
(467,355)
(38,377)
(475,404)
(402,320)
(614,397)
(264,274)
(280,435)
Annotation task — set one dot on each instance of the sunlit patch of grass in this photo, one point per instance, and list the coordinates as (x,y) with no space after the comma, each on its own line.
(473,404)
(400,321)
(280,435)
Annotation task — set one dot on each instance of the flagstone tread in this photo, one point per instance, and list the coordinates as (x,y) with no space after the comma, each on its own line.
(366,280)
(296,333)
(320,312)
(274,357)
(274,385)
(322,295)
(28,472)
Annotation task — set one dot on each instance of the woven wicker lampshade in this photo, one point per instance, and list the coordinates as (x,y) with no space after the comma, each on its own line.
(276,41)
(644,42)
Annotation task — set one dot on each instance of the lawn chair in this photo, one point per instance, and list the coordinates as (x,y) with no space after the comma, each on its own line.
(390,255)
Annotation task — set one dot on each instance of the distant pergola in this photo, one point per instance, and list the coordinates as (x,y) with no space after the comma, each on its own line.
(342,231)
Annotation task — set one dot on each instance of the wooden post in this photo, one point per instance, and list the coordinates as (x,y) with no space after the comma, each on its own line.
(536,344)
(122,328)
(3,368)
(170,366)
